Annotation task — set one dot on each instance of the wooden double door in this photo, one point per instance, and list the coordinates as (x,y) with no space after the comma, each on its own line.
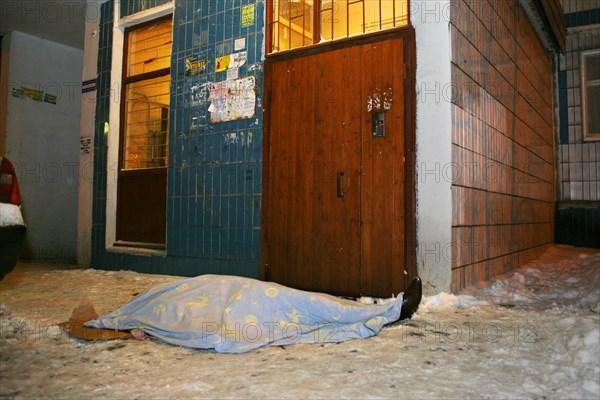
(334,198)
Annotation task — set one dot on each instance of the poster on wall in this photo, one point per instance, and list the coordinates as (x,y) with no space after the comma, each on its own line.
(231,61)
(247,16)
(222,63)
(194,65)
(37,95)
(232,100)
(85,145)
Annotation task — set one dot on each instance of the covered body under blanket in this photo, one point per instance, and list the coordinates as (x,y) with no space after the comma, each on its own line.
(234,315)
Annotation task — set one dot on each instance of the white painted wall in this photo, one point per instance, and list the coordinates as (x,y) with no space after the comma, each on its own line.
(431,20)
(4,66)
(42,142)
(86,160)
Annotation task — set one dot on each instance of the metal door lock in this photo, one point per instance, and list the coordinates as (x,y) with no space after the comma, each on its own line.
(378,124)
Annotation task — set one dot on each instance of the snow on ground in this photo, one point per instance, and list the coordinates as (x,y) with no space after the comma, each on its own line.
(533,333)
(564,276)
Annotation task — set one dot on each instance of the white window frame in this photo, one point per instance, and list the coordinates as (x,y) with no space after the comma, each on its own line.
(116,76)
(587,136)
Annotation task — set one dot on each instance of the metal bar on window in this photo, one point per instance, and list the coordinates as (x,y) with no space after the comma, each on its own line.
(362,4)
(322,19)
(316,21)
(347,18)
(364,21)
(303,24)
(289,28)
(380,16)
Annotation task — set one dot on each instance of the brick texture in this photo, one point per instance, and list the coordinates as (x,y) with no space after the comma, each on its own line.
(503,186)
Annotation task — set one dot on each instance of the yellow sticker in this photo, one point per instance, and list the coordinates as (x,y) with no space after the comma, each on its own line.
(247,15)
(221,63)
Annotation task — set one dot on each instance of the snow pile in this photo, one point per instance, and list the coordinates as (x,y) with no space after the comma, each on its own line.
(10,215)
(375,300)
(525,289)
(563,276)
(447,302)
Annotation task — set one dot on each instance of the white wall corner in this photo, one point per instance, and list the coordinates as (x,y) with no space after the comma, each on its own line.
(431,20)
(42,142)
(4,74)
(86,159)
(112,162)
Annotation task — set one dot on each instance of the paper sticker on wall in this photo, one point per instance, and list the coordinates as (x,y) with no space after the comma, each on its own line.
(239,44)
(194,66)
(233,74)
(85,145)
(199,94)
(34,94)
(247,15)
(88,86)
(221,63)
(50,98)
(37,95)
(238,59)
(18,92)
(232,100)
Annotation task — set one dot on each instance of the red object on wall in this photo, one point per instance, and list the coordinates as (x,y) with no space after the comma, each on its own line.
(9,187)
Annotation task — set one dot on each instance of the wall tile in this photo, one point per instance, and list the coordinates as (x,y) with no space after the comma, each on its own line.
(209,188)
(508,209)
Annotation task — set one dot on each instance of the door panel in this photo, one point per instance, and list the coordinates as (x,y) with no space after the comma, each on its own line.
(143,144)
(314,232)
(382,264)
(141,208)
(336,198)
(334,194)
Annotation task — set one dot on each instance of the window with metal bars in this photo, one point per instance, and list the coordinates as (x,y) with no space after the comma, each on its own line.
(590,87)
(146,97)
(299,23)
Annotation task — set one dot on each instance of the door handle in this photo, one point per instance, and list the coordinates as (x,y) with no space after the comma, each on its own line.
(340,189)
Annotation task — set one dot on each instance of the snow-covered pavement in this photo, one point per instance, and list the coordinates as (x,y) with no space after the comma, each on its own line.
(533,333)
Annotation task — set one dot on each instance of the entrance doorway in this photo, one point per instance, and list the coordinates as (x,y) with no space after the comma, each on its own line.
(338,200)
(143,160)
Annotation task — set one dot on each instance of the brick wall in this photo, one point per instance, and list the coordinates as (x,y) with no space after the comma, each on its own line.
(503,160)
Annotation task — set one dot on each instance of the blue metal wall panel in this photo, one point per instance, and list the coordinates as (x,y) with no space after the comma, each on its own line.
(129,7)
(583,18)
(563,107)
(214,174)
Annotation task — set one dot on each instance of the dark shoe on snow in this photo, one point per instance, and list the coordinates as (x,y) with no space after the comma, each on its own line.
(411,299)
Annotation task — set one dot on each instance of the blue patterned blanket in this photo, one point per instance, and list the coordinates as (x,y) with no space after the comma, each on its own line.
(234,315)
